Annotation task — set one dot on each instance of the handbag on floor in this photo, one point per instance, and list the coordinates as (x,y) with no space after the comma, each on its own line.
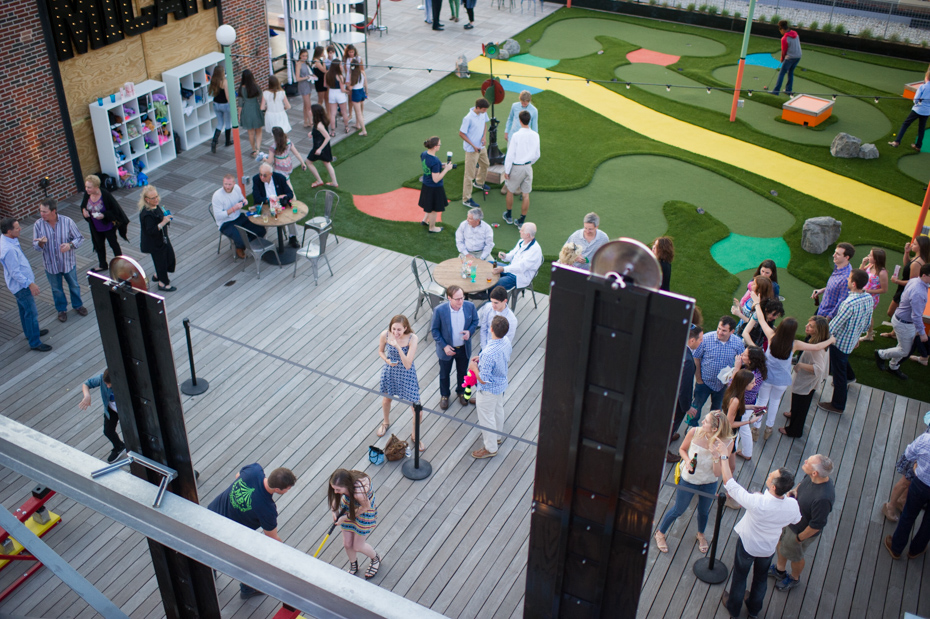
(395,449)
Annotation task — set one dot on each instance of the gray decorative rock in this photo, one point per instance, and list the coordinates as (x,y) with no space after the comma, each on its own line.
(868,151)
(511,47)
(503,54)
(819,233)
(845,146)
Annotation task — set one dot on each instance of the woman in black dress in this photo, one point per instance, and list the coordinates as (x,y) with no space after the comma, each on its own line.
(319,71)
(433,195)
(320,150)
(154,239)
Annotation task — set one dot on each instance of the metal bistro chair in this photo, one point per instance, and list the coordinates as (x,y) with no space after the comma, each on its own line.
(257,247)
(329,200)
(314,250)
(222,236)
(515,291)
(419,265)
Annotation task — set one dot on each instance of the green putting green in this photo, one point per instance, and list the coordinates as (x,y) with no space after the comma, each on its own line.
(738,252)
(870,76)
(574,38)
(917,166)
(856,117)
(396,157)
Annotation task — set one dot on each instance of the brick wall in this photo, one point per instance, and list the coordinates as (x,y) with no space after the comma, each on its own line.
(250,51)
(33,142)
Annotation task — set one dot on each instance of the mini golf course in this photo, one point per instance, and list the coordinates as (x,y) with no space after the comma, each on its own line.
(647,155)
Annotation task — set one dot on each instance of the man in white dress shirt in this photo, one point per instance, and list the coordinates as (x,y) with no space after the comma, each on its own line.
(228,202)
(522,153)
(525,259)
(474,236)
(759,531)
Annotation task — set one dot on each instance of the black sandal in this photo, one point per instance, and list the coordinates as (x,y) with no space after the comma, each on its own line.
(373,567)
(353,568)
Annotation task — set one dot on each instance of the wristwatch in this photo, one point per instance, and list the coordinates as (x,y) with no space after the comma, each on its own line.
(724,457)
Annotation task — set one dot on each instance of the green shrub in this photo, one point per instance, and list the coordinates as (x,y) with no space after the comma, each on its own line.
(725,12)
(814,25)
(737,15)
(839,28)
(691,6)
(711,9)
(923,44)
(907,41)
(774,19)
(702,8)
(866,33)
(895,37)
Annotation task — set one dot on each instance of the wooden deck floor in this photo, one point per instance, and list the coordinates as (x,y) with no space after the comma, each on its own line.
(456,542)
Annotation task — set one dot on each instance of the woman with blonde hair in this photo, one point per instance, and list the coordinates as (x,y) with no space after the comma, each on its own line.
(352,503)
(219,91)
(154,238)
(105,217)
(397,346)
(570,253)
(809,373)
(700,472)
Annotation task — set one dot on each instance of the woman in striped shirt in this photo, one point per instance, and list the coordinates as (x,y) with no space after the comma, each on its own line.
(352,502)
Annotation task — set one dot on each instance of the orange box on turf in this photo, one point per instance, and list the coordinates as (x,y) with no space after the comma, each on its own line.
(806,110)
(911,89)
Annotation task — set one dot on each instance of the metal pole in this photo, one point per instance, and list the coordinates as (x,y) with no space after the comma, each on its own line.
(709,569)
(418,469)
(192,386)
(742,60)
(888,18)
(234,115)
(830,21)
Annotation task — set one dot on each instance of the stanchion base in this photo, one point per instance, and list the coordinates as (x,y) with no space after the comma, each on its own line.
(713,576)
(411,472)
(189,388)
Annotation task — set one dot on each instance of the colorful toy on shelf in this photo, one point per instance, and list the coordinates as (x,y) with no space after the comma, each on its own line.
(150,140)
(120,157)
(148,125)
(142,178)
(133,131)
(117,137)
(157,96)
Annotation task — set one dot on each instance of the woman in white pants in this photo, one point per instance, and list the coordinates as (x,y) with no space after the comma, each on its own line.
(781,345)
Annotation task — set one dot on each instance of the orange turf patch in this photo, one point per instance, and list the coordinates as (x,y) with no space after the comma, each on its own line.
(398,205)
(646,56)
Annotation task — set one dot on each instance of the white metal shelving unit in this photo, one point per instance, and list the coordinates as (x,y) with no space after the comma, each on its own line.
(193,116)
(124,135)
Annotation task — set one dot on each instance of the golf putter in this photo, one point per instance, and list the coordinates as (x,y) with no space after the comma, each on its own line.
(330,532)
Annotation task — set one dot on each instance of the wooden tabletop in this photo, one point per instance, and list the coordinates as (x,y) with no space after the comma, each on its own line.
(286,216)
(449,272)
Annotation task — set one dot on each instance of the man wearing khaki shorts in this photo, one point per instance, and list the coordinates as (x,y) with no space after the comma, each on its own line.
(815,496)
(522,153)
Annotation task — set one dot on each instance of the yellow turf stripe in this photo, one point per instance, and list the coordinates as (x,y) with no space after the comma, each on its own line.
(844,192)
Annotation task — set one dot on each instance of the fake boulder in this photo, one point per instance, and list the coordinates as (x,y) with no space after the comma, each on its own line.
(868,151)
(845,146)
(819,233)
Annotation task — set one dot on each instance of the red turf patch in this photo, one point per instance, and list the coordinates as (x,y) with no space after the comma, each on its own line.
(398,205)
(646,56)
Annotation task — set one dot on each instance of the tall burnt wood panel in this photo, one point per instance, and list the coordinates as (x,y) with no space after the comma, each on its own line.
(613,363)
(137,346)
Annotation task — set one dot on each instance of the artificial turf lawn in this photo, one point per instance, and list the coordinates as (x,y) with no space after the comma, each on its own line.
(882,173)
(575,142)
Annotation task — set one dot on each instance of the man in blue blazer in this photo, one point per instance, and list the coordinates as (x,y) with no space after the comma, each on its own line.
(269,184)
(454,322)
(685,388)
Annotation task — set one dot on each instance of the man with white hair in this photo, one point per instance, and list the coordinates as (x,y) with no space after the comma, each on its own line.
(474,236)
(815,495)
(524,260)
(589,238)
(269,185)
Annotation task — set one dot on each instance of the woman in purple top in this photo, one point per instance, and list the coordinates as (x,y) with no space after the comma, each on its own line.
(105,218)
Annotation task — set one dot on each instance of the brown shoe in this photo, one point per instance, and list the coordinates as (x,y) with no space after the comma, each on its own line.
(240,253)
(827,406)
(888,547)
(767,435)
(910,556)
(889,512)
(672,458)
(676,436)
(62,316)
(444,403)
(480,454)
(82,311)
(462,400)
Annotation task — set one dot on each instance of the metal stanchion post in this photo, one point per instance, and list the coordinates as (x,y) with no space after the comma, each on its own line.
(709,569)
(418,468)
(192,386)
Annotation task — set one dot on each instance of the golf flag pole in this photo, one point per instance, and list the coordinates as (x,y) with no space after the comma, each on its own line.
(742,60)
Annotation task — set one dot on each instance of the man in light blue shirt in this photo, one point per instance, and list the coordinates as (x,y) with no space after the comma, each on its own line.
(490,368)
(513,122)
(918,498)
(473,133)
(908,322)
(22,283)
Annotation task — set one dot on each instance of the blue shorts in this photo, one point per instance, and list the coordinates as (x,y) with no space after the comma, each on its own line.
(358,95)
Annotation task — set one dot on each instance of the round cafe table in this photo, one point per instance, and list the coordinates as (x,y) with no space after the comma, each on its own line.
(286,255)
(449,272)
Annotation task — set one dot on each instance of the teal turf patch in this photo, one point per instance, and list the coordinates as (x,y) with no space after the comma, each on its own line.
(535,61)
(738,253)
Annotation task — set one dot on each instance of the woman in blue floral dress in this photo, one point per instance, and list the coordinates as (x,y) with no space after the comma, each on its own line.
(397,346)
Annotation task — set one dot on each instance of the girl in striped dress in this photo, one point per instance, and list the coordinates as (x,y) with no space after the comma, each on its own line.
(352,501)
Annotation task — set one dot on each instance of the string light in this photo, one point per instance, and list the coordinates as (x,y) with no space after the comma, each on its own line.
(834,97)
(587,82)
(749,93)
(627,85)
(876,100)
(708,90)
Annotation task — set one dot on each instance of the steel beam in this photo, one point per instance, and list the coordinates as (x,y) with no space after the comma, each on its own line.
(282,572)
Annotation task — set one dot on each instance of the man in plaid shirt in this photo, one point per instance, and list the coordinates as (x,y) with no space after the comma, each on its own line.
(836,289)
(852,318)
(715,352)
